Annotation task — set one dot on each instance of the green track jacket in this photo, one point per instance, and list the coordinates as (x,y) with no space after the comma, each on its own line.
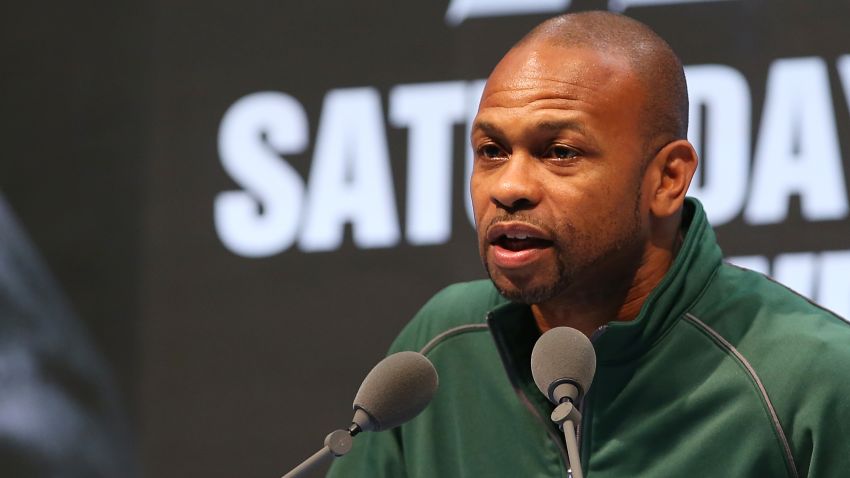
(723,373)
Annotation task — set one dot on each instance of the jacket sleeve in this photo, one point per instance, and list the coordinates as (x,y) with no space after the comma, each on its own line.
(822,421)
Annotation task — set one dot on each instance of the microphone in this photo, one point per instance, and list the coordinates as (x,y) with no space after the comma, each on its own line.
(397,389)
(563,363)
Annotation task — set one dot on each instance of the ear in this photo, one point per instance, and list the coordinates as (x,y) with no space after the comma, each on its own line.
(676,163)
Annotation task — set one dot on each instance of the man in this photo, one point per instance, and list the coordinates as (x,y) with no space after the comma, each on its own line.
(579,189)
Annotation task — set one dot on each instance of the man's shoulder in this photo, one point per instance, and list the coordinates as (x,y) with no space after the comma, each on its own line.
(780,307)
(458,305)
(772,325)
(798,351)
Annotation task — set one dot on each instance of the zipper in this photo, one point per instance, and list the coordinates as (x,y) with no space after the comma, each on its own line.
(585,415)
(515,383)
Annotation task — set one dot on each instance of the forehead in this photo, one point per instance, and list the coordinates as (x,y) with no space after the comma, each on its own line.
(546,79)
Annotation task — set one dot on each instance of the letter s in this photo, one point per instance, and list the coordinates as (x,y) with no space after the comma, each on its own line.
(263,219)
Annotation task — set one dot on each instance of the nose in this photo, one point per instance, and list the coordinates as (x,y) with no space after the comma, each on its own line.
(516,187)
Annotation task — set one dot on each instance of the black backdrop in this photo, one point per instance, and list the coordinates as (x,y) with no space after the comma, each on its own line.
(238,366)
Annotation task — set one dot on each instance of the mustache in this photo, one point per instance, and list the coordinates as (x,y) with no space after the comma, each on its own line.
(519,217)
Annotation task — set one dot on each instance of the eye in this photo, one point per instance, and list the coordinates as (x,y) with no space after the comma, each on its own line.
(560,152)
(491,151)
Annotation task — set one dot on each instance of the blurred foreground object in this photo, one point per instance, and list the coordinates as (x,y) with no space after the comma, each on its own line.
(59,413)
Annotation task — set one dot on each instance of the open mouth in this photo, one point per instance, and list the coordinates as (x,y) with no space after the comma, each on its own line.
(521,242)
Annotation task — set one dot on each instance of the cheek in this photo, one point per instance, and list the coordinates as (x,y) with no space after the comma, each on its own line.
(479,196)
(594,211)
(581,199)
(618,188)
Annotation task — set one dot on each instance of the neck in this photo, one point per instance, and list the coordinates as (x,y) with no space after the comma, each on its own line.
(610,296)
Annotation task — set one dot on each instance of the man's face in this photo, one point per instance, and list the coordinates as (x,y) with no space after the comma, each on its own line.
(556,182)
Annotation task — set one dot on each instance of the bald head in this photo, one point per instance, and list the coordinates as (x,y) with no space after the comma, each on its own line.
(656,66)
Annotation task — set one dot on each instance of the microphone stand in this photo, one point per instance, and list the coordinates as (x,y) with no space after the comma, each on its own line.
(567,416)
(337,443)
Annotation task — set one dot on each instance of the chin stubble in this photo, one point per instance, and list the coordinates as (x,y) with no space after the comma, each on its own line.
(567,268)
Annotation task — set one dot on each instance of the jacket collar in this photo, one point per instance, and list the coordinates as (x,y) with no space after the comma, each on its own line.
(695,264)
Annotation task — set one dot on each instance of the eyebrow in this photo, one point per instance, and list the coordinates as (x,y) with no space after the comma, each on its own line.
(488,128)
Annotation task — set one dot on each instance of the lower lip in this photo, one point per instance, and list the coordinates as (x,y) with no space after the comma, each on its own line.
(507,259)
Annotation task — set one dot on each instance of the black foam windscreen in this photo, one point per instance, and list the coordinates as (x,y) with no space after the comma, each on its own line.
(397,389)
(563,355)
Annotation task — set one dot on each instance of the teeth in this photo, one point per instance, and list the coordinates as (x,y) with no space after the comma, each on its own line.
(518,236)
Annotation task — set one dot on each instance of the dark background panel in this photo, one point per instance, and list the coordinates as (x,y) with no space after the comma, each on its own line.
(74,129)
(262,356)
